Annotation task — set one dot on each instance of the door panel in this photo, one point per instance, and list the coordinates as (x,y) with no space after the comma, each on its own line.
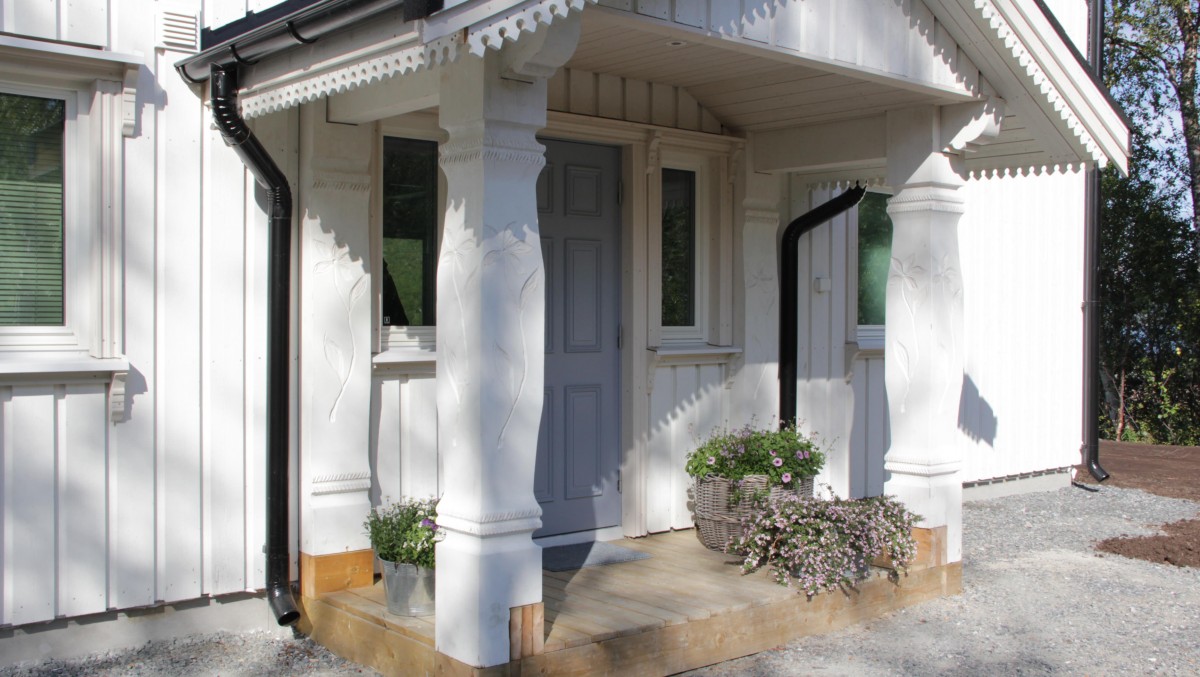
(579,443)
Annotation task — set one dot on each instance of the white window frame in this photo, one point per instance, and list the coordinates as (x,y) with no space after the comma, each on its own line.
(700,165)
(99,89)
(420,127)
(76,237)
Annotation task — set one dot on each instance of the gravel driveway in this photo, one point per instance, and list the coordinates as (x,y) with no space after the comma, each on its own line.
(1037,600)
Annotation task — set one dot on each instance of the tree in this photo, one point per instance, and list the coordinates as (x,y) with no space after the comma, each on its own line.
(1152,46)
(1150,244)
(1148,291)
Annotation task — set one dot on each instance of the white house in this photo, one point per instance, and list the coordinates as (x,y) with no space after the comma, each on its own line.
(534,255)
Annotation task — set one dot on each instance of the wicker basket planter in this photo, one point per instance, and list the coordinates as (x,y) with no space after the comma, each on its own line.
(718,518)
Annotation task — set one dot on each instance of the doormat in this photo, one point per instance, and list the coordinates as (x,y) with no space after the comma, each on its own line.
(593,554)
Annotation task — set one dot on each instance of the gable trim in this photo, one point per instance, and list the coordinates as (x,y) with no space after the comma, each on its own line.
(1054,81)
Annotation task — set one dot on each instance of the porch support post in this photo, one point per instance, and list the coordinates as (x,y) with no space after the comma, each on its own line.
(924,360)
(490,342)
(335,350)
(756,391)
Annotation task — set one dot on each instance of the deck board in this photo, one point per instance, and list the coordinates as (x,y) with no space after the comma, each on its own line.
(644,616)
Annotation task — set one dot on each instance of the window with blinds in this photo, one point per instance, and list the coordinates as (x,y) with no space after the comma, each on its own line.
(31,210)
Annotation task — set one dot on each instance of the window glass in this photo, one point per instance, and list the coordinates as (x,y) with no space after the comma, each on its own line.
(678,248)
(31,210)
(874,257)
(410,224)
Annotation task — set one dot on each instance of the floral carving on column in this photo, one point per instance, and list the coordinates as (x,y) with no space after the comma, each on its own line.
(331,257)
(505,249)
(909,279)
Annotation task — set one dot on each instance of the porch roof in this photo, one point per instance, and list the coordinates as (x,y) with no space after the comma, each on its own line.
(741,67)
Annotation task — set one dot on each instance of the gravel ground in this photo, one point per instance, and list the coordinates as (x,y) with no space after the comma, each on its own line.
(1037,600)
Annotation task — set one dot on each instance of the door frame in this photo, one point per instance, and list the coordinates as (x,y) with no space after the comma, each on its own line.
(641,147)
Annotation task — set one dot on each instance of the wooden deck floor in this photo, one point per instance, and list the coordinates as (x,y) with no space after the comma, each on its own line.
(682,608)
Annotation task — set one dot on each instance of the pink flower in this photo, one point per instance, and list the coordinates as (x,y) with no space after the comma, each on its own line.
(772,452)
(777,462)
(787,477)
(712,460)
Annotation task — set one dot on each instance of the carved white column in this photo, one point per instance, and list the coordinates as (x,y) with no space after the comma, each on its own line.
(335,331)
(490,341)
(924,361)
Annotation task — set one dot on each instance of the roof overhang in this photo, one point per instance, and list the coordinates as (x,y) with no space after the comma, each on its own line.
(1057,115)
(1041,77)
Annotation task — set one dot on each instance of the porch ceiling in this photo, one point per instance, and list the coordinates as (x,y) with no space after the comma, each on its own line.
(745,88)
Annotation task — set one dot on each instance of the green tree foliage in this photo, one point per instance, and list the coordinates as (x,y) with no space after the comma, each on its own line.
(1151,50)
(1150,258)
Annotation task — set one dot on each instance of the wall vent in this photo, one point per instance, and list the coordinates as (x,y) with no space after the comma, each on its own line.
(178,30)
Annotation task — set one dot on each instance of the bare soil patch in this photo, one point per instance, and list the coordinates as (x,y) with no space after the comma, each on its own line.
(1163,470)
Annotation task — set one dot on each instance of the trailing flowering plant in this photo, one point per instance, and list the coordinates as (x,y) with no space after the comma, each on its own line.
(405,532)
(815,544)
(783,455)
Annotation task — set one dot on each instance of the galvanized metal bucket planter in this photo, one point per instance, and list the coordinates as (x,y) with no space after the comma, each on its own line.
(409,588)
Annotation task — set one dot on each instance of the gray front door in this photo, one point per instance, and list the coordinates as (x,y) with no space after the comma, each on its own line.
(579,444)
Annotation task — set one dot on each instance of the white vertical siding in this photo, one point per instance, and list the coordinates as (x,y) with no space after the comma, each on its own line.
(610,96)
(1020,410)
(687,402)
(167,504)
(825,394)
(217,13)
(404,438)
(1073,16)
(1022,260)
(893,37)
(54,520)
(81,21)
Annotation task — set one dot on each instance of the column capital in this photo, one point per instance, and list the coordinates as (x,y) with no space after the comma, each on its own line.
(925,198)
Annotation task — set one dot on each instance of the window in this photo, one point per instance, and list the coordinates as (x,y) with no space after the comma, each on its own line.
(32,130)
(678,248)
(874,261)
(410,232)
(65,112)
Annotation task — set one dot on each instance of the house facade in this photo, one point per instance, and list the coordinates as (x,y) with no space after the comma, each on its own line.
(534,258)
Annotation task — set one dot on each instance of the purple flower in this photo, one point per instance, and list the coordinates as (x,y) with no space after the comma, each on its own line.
(771,452)
(429,524)
(787,477)
(712,460)
(777,462)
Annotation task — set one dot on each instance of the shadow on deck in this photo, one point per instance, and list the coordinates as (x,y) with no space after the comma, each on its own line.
(683,608)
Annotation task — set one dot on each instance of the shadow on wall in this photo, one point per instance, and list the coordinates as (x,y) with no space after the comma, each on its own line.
(975,415)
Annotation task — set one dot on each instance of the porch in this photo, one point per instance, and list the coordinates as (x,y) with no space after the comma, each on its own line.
(682,608)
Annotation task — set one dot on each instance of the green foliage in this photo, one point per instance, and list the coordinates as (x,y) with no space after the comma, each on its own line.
(874,257)
(679,248)
(816,544)
(783,455)
(405,532)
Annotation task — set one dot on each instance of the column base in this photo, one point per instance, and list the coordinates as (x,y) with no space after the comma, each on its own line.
(480,579)
(937,499)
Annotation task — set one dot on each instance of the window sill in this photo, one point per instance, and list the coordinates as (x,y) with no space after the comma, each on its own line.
(405,361)
(27,364)
(693,354)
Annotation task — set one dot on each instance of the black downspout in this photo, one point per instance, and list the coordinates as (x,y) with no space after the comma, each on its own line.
(279,215)
(789,280)
(1091,272)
